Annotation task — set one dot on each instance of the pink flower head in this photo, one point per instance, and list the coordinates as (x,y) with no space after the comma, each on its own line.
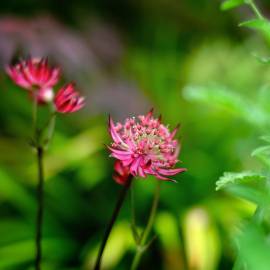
(145,146)
(34,73)
(121,174)
(68,100)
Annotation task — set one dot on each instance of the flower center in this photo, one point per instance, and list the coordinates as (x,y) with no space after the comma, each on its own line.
(147,138)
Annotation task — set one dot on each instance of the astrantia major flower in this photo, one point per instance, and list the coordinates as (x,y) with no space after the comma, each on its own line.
(145,146)
(34,73)
(36,76)
(68,100)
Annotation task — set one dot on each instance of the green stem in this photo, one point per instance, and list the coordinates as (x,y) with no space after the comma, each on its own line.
(39,146)
(50,125)
(40,185)
(255,9)
(34,119)
(108,230)
(40,199)
(132,206)
(141,247)
(136,259)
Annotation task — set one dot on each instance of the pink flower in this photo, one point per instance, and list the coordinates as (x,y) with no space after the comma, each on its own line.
(67,100)
(121,173)
(145,146)
(33,74)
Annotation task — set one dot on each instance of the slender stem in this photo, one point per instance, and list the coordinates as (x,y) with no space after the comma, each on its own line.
(133,214)
(108,230)
(135,233)
(141,248)
(40,147)
(34,118)
(136,259)
(51,126)
(40,199)
(255,9)
(152,214)
(132,206)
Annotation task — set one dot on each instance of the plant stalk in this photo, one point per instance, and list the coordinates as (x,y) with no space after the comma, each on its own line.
(108,230)
(141,247)
(255,9)
(40,200)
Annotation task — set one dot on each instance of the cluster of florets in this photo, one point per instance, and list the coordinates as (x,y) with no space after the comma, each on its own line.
(145,146)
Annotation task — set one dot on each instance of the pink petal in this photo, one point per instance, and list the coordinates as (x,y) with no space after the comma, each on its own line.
(127,162)
(173,133)
(113,132)
(135,165)
(171,171)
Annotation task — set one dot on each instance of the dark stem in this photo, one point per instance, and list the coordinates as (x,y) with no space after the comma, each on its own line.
(40,200)
(116,211)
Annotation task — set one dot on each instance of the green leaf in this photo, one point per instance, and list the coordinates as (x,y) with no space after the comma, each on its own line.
(229,4)
(263,154)
(251,194)
(230,178)
(265,138)
(260,24)
(253,248)
(218,95)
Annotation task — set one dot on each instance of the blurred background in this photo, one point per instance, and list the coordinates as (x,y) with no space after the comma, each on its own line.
(188,60)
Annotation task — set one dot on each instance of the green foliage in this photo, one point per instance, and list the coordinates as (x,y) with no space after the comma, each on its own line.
(251,243)
(254,248)
(232,102)
(230,178)
(170,55)
(246,185)
(263,153)
(261,25)
(229,4)
(257,24)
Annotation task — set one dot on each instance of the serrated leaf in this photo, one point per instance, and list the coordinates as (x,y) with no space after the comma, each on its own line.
(229,4)
(230,178)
